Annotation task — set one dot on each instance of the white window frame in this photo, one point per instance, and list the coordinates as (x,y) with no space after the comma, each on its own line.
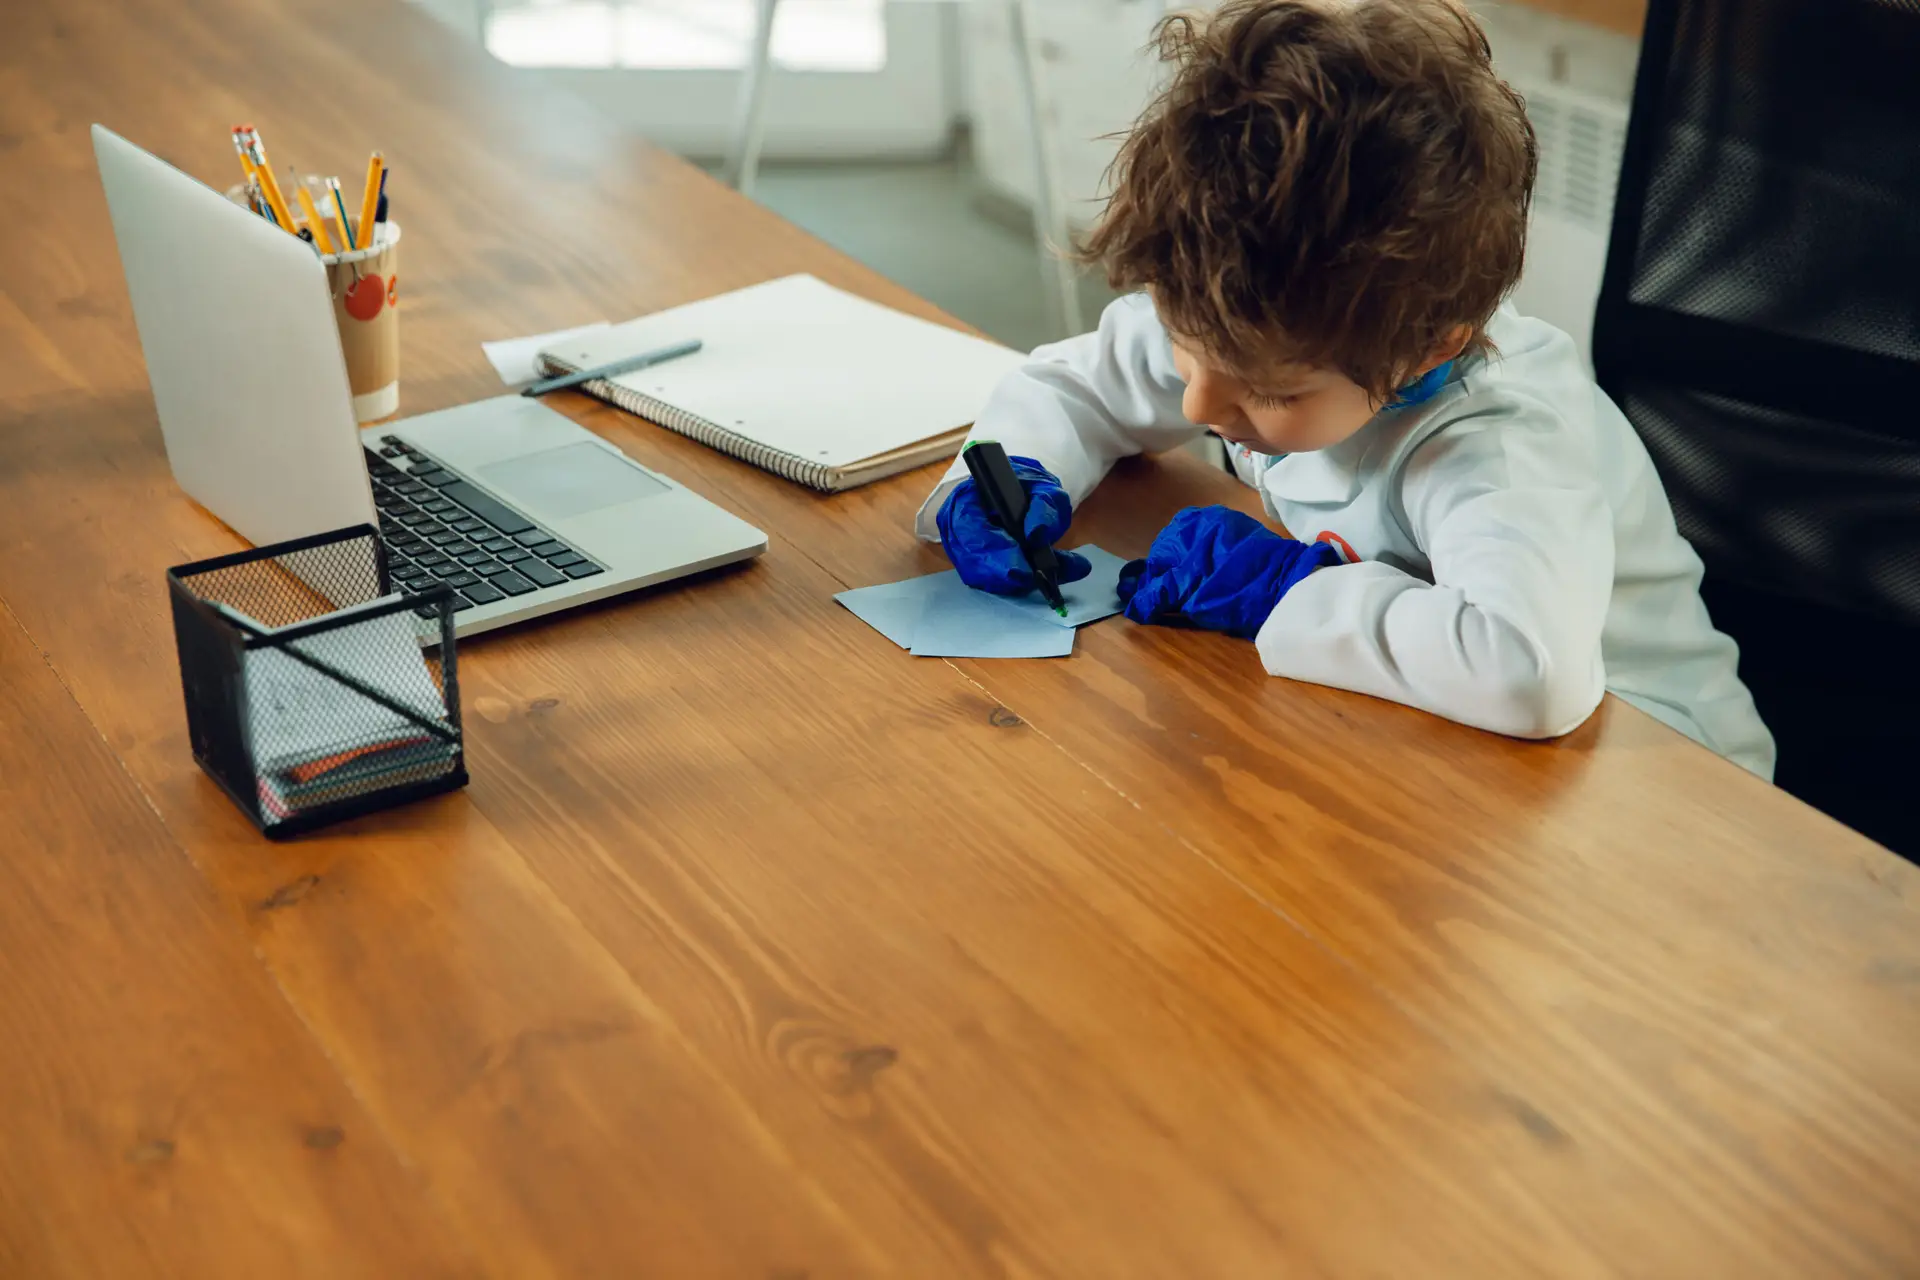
(905,110)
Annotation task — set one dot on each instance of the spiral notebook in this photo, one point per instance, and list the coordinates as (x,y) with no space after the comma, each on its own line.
(800,379)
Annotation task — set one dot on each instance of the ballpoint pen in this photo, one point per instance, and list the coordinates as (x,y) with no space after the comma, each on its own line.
(614,369)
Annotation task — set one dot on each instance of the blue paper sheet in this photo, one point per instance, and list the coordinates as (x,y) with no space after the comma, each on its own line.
(892,609)
(1094,597)
(958,622)
(938,616)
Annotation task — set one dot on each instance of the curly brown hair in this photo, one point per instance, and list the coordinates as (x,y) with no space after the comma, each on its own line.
(1335,183)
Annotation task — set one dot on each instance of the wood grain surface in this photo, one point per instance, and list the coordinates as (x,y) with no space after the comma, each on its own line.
(167,1114)
(1625,16)
(759,949)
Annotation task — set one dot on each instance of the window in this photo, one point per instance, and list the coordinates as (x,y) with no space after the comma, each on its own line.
(851,78)
(687,35)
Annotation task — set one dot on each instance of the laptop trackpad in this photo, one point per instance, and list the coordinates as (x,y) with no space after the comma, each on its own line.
(570,480)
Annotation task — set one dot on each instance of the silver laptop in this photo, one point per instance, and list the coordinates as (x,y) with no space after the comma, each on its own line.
(519,509)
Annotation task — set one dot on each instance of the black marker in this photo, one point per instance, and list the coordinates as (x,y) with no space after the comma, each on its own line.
(1005,500)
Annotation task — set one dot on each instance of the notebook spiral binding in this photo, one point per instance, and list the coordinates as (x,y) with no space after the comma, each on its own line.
(800,470)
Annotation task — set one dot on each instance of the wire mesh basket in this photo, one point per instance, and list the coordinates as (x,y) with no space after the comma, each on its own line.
(315,692)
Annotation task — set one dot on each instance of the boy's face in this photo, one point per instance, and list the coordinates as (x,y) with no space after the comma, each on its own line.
(1291,409)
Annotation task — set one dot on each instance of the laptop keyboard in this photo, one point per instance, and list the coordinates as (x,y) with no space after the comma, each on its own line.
(439,528)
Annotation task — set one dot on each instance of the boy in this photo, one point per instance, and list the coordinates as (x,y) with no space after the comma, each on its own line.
(1325,208)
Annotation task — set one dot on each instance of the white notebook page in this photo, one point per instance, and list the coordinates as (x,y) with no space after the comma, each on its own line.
(808,369)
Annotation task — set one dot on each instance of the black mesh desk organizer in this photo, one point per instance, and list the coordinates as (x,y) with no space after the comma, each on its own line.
(1759,323)
(310,697)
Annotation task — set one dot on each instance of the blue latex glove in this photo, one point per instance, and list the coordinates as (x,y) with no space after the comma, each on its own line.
(986,555)
(1213,568)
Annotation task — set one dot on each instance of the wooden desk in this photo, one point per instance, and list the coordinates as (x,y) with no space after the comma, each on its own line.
(1625,16)
(758,949)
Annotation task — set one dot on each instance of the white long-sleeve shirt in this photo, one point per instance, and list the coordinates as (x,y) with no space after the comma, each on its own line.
(1511,553)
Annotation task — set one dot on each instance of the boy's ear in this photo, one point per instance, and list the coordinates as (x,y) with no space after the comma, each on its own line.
(1450,346)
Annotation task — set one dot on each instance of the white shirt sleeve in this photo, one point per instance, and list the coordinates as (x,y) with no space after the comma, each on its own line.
(1507,636)
(1080,405)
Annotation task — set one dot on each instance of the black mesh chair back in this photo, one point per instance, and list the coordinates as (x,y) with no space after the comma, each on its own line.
(1759,323)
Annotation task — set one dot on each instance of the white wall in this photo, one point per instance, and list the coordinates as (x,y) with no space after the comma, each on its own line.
(1095,79)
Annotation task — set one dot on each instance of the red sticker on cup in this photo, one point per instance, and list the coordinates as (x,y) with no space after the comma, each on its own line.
(364,297)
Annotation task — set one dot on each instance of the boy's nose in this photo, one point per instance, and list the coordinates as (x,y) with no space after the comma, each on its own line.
(1206,403)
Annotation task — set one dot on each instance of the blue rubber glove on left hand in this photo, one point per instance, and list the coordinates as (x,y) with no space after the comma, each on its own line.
(986,555)
(1213,568)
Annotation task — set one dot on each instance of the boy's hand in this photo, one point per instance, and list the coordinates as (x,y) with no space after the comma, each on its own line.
(1214,568)
(986,555)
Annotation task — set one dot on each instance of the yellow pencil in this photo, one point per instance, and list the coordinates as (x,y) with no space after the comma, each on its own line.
(240,145)
(314,221)
(270,186)
(370,201)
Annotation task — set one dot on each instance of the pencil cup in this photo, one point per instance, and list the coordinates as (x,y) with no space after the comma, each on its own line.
(365,292)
